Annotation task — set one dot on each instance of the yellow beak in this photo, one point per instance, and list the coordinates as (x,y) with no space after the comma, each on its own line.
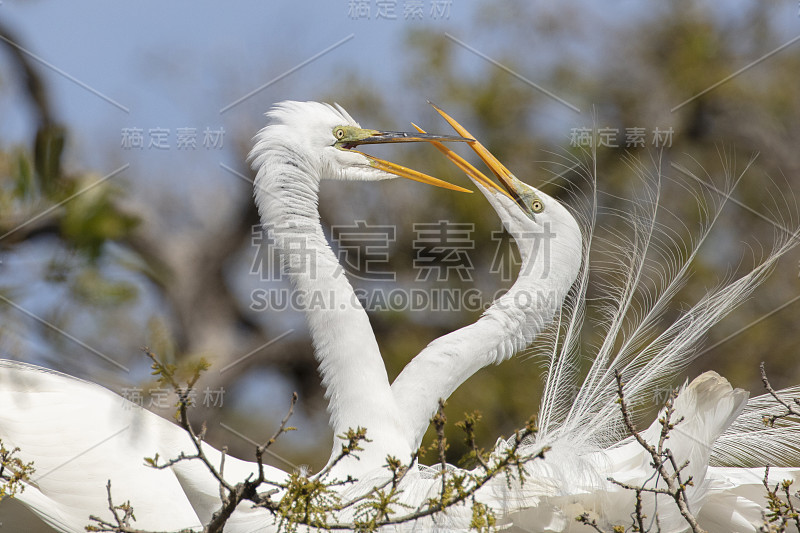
(507,179)
(408,173)
(359,137)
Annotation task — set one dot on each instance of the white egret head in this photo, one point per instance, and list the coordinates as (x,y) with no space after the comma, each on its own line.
(323,139)
(522,208)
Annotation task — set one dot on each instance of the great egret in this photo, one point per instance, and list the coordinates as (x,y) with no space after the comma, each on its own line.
(303,143)
(719,426)
(306,142)
(396,418)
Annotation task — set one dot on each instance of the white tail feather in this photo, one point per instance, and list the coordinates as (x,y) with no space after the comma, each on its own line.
(748,442)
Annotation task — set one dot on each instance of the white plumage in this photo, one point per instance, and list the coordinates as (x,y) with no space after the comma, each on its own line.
(80,434)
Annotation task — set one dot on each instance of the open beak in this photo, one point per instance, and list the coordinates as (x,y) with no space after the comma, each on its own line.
(511,186)
(406,137)
(380,137)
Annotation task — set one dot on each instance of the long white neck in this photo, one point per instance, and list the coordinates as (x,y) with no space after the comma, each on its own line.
(352,370)
(548,270)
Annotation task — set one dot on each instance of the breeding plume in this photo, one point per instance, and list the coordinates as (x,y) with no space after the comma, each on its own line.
(100,436)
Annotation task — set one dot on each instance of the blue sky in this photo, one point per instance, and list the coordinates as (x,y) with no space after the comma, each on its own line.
(116,67)
(179,63)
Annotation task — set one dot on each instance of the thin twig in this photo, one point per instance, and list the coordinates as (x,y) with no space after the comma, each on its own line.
(791,410)
(676,487)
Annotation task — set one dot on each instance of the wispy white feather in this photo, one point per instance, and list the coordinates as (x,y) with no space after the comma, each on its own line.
(750,442)
(639,271)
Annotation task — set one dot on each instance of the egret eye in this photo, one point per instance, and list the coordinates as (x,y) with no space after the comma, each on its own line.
(537,206)
(338,133)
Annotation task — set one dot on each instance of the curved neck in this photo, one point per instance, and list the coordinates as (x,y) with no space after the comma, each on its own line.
(350,364)
(509,325)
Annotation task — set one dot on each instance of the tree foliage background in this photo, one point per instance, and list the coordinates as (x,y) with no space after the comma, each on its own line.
(93,268)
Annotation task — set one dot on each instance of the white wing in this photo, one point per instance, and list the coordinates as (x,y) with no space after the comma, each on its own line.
(81,435)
